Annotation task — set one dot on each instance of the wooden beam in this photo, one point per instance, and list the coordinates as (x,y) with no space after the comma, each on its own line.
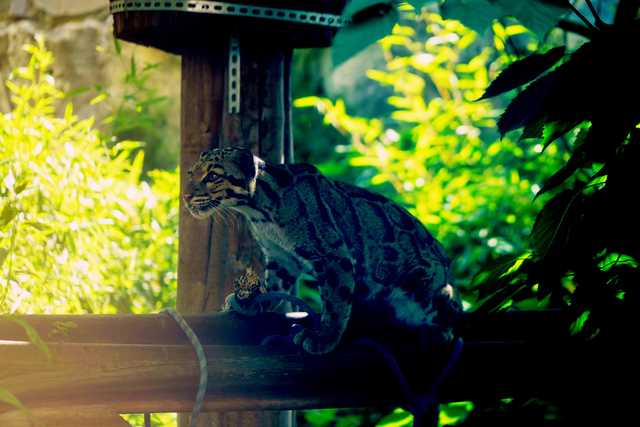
(66,416)
(506,355)
(162,378)
(232,329)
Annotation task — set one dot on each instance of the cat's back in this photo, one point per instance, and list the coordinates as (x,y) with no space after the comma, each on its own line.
(383,236)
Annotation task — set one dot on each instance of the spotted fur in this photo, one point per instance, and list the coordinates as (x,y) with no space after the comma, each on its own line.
(367,254)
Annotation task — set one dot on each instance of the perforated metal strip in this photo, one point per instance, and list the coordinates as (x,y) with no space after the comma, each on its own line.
(233,77)
(232,9)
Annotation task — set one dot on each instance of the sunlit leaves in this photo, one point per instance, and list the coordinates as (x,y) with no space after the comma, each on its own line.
(398,418)
(454,412)
(436,152)
(79,231)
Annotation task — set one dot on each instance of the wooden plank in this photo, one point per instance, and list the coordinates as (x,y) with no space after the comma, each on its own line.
(233,329)
(67,416)
(163,378)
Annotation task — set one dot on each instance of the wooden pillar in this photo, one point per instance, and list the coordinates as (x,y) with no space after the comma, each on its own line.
(212,253)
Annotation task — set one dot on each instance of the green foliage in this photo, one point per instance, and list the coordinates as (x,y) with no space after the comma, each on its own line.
(139,113)
(537,15)
(584,244)
(371,20)
(398,418)
(437,153)
(79,230)
(164,420)
(453,413)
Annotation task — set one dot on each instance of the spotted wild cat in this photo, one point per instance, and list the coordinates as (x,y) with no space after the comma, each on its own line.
(367,254)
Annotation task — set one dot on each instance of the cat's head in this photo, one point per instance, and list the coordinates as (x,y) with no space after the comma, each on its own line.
(221,178)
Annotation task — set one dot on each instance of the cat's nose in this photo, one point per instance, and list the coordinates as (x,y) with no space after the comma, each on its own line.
(188,196)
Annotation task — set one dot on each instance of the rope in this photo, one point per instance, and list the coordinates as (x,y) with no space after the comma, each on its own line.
(202,362)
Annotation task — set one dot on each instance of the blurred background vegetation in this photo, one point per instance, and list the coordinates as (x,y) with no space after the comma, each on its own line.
(89,186)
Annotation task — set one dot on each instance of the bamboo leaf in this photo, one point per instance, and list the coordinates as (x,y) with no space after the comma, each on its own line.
(9,212)
(33,337)
(3,255)
(10,399)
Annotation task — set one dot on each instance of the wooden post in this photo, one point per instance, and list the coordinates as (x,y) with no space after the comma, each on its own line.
(211,253)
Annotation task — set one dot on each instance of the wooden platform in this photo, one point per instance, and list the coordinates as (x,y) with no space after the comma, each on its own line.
(144,364)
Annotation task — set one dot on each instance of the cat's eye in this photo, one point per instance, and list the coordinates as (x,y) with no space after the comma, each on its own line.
(210,177)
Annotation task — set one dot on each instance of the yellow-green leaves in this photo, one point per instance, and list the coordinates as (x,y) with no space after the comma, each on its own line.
(436,152)
(79,230)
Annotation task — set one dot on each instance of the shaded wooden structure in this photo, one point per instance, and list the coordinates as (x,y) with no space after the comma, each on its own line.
(143,363)
(104,365)
(236,66)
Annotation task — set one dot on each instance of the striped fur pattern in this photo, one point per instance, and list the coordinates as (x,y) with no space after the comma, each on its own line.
(369,256)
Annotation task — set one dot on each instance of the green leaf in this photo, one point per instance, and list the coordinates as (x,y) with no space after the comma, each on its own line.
(560,176)
(523,71)
(3,255)
(10,399)
(320,417)
(397,418)
(357,36)
(552,227)
(8,214)
(355,7)
(33,336)
(578,325)
(556,129)
(475,14)
(117,46)
(539,16)
(454,412)
(528,107)
(533,130)
(418,4)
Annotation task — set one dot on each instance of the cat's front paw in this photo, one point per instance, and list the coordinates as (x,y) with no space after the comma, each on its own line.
(246,308)
(314,342)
